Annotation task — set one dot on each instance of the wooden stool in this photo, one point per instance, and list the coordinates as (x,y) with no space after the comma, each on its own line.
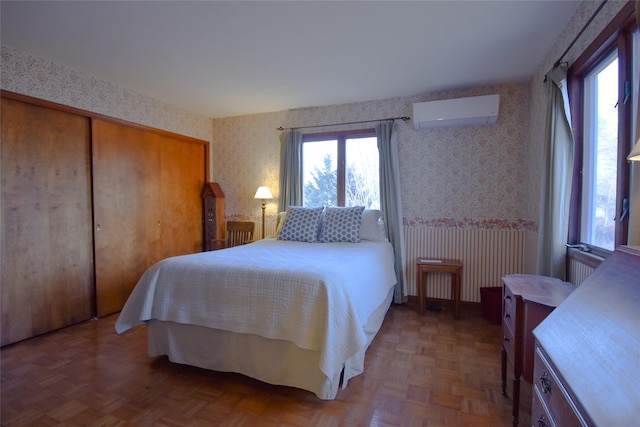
(451,266)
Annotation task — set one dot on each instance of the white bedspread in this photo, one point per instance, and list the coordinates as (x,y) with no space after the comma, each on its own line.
(316,295)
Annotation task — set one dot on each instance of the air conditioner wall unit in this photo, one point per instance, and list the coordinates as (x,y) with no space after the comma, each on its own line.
(457,112)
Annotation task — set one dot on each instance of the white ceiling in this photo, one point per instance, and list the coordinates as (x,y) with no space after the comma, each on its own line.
(243,57)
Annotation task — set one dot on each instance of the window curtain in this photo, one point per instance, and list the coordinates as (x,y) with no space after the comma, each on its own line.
(290,170)
(557,172)
(390,201)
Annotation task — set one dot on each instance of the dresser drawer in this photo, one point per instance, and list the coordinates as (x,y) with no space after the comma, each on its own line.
(548,388)
(509,342)
(509,323)
(540,416)
(508,308)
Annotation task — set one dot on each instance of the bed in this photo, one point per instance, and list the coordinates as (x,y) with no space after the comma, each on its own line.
(295,311)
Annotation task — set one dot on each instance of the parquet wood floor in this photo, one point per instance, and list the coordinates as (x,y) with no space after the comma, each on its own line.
(428,370)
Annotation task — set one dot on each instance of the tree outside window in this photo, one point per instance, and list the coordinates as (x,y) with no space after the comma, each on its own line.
(341,170)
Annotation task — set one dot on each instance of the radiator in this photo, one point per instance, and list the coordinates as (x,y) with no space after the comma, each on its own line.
(578,272)
(486,256)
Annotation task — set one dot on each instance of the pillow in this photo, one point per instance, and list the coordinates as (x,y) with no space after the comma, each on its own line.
(372,226)
(341,224)
(282,216)
(301,224)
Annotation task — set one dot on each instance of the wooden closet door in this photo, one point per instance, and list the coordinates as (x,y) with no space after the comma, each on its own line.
(47,255)
(147,204)
(127,213)
(183,178)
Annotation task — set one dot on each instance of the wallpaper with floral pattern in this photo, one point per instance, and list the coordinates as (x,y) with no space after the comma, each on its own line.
(461,177)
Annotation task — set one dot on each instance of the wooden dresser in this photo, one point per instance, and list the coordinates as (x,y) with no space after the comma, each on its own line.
(587,357)
(527,300)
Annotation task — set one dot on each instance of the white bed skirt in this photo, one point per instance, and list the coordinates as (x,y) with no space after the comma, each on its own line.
(272,361)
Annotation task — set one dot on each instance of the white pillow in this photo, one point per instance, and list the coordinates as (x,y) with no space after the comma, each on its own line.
(372,226)
(341,224)
(301,224)
(282,216)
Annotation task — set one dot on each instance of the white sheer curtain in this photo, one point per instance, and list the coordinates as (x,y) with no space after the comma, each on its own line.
(390,201)
(555,191)
(290,170)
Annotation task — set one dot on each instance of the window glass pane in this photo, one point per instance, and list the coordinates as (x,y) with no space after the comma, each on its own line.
(634,84)
(600,155)
(362,178)
(319,172)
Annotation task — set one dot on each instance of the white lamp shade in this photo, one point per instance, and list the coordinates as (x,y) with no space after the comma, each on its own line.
(263,193)
(635,153)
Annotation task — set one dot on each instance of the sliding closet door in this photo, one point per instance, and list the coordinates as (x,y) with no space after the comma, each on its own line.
(127,213)
(147,204)
(47,252)
(183,178)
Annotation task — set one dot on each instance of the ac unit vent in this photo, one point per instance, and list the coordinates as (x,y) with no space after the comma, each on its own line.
(457,112)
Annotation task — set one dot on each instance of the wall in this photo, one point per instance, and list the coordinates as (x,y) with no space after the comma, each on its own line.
(37,77)
(458,164)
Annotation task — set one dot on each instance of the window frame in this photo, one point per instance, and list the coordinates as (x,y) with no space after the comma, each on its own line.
(341,138)
(617,36)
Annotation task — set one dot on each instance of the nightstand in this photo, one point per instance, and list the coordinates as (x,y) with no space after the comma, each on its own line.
(451,266)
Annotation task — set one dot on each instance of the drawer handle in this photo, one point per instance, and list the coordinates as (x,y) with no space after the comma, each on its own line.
(546,383)
(505,339)
(507,315)
(542,422)
(508,297)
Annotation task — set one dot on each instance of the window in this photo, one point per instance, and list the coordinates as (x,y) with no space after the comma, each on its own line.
(600,155)
(341,169)
(603,96)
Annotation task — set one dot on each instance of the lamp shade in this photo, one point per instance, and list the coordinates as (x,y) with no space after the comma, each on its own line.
(635,153)
(263,193)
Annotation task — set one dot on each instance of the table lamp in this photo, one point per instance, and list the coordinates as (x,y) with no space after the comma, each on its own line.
(263,194)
